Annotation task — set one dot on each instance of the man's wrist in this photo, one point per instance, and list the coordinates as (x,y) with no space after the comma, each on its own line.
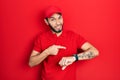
(46,52)
(76,57)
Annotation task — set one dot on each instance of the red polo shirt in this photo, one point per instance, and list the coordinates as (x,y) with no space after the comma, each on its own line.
(51,69)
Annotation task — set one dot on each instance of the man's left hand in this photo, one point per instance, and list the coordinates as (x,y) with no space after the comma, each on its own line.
(65,61)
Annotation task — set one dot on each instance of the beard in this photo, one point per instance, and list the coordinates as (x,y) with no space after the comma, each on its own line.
(56,31)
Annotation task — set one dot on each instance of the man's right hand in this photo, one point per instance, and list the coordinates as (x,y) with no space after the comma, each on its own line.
(53,50)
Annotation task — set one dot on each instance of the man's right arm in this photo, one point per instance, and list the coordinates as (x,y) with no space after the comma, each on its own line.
(36,57)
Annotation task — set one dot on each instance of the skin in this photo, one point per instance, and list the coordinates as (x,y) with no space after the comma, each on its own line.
(56,22)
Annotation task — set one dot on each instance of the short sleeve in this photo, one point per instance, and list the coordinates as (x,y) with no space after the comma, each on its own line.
(80,41)
(37,44)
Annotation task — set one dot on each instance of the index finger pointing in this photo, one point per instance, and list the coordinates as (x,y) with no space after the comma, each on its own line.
(61,47)
(63,67)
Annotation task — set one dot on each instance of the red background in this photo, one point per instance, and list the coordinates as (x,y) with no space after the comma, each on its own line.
(96,20)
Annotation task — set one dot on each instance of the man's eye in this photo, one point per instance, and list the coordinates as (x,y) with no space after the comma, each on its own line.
(59,17)
(52,19)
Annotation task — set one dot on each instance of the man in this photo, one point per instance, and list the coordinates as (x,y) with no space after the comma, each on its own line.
(57,49)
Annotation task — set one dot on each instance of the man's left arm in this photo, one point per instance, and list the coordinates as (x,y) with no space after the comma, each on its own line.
(89,52)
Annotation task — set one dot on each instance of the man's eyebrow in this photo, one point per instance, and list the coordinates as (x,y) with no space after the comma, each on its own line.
(51,17)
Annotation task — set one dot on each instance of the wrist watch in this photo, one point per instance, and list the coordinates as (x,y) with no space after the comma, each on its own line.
(76,57)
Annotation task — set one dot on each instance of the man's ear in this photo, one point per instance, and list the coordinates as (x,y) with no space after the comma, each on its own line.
(46,21)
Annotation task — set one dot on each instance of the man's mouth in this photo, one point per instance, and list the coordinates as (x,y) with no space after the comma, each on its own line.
(58,27)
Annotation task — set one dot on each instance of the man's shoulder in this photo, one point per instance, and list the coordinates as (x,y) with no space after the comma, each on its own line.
(43,33)
(73,34)
(70,32)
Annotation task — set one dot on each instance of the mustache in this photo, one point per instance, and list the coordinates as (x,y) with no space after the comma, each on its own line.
(58,25)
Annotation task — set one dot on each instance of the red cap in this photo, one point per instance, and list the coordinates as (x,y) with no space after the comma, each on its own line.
(51,10)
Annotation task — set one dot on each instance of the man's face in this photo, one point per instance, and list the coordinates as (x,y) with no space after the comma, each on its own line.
(56,22)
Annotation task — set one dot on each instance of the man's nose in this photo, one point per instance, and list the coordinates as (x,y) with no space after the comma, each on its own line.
(57,22)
